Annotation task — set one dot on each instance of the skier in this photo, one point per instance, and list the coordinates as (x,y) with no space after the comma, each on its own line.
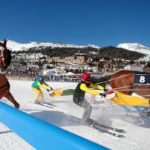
(36,85)
(79,95)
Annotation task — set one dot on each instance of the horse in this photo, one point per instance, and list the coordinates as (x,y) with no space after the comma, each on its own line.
(5,60)
(128,82)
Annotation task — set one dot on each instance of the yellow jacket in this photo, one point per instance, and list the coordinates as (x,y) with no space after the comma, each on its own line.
(84,87)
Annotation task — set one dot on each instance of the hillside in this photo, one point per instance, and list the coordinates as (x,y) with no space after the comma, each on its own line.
(130,51)
(114,52)
(109,52)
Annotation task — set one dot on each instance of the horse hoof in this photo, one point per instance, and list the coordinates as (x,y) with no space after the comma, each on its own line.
(17,106)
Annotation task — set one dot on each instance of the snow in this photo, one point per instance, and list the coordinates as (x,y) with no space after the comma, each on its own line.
(16,46)
(67,115)
(136,47)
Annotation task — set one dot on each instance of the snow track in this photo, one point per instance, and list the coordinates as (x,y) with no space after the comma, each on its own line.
(67,116)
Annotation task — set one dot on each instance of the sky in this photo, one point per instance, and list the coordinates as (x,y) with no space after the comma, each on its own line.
(81,22)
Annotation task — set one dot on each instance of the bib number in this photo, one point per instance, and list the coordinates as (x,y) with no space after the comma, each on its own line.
(142,79)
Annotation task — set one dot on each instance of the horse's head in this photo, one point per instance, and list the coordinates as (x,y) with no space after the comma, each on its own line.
(5,55)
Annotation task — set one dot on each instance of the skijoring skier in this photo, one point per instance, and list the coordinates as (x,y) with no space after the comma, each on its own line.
(79,95)
(36,87)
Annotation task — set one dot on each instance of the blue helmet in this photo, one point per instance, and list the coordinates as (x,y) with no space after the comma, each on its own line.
(41,78)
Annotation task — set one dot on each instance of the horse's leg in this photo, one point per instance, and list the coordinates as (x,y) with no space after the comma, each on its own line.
(11,98)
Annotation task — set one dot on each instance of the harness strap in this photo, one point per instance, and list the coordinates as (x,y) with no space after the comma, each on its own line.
(2,70)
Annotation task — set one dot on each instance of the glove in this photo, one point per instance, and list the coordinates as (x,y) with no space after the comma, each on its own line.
(103,94)
(47,90)
(51,88)
(105,90)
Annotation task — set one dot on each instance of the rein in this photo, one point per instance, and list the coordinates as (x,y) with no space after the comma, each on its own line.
(123,88)
(120,89)
(117,78)
(112,79)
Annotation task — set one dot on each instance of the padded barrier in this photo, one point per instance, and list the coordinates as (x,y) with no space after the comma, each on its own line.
(42,135)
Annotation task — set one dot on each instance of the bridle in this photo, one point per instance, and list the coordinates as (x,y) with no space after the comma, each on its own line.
(2,55)
(2,59)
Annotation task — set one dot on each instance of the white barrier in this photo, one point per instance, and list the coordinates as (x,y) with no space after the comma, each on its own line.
(42,135)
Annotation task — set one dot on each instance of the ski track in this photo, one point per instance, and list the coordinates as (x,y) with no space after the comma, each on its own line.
(67,116)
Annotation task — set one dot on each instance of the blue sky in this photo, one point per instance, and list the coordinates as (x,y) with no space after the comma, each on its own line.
(99,22)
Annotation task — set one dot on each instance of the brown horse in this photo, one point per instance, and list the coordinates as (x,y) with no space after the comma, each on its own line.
(128,82)
(5,60)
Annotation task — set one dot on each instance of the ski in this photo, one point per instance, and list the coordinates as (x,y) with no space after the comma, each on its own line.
(108,127)
(48,105)
(108,132)
(45,105)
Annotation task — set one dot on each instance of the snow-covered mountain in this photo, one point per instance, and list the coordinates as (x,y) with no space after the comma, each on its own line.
(15,46)
(137,48)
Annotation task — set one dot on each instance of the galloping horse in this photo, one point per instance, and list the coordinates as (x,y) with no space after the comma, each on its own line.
(128,82)
(5,60)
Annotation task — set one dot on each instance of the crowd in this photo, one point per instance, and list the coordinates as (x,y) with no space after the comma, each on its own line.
(103,68)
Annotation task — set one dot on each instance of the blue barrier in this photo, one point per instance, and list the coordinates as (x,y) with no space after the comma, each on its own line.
(42,135)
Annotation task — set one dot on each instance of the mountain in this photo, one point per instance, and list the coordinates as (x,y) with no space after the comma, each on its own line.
(136,47)
(110,52)
(15,46)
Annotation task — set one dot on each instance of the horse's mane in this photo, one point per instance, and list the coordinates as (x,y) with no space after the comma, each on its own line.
(101,80)
(140,72)
(131,71)
(1,44)
(123,70)
(8,61)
